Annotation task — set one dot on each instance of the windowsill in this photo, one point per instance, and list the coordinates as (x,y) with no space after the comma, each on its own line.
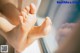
(33,48)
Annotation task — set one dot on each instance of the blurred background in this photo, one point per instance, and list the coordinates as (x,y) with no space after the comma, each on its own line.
(59,14)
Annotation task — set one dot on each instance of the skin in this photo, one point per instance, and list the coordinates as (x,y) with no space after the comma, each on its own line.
(10,11)
(22,35)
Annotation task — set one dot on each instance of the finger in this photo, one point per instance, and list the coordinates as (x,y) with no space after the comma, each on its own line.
(32,8)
